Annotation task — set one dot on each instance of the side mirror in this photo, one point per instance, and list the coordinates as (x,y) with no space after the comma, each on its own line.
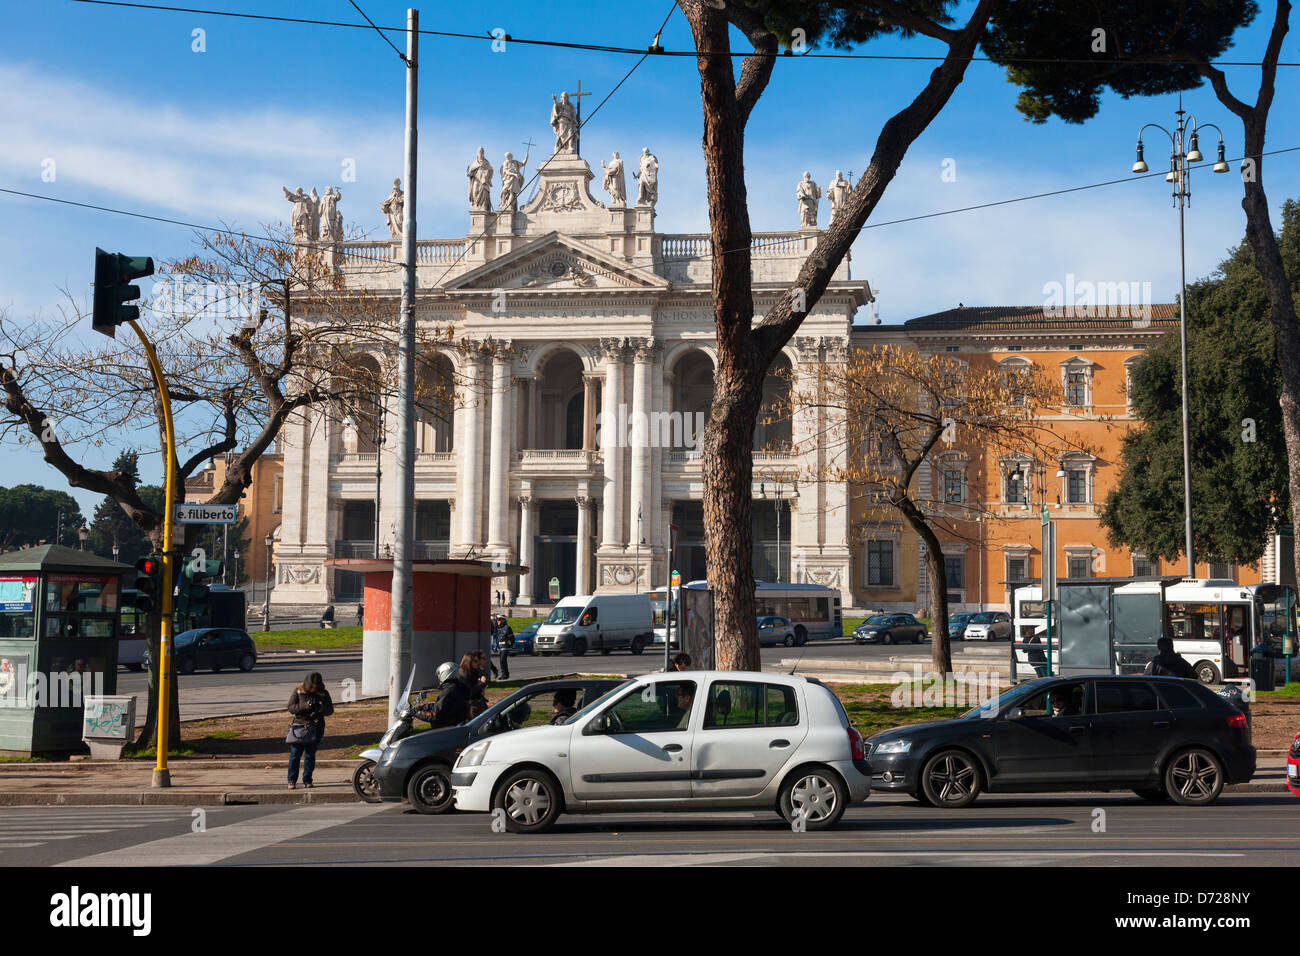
(597,725)
(1015,713)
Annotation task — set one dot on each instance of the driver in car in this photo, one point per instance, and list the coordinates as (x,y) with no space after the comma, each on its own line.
(1064,704)
(685,698)
(563,705)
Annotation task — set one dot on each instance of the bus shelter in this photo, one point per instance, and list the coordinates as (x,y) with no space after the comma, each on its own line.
(449,615)
(58,643)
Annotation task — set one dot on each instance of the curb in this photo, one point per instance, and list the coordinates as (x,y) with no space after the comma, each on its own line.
(173,763)
(171,798)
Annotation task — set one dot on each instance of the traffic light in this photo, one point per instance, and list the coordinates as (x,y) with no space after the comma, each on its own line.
(192,595)
(113,275)
(148,578)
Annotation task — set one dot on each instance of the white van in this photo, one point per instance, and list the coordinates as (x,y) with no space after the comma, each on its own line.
(600,622)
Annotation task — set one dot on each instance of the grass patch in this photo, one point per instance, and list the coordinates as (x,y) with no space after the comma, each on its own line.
(23,759)
(1287,691)
(309,637)
(151,753)
(517,624)
(222,735)
(871,709)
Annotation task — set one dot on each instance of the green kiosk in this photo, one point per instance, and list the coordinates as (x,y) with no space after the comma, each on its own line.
(59,620)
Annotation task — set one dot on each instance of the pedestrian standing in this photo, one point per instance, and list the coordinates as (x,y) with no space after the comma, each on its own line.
(310,704)
(473,673)
(503,637)
(361,612)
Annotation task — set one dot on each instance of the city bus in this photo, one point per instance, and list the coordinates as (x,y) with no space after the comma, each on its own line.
(1214,623)
(814,610)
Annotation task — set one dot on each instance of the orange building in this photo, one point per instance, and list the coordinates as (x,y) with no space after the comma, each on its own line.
(991,502)
(261,504)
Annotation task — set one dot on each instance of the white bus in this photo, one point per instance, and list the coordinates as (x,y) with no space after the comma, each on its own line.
(1214,623)
(813,609)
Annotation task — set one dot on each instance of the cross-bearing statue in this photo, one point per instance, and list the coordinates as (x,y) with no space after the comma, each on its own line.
(564,120)
(647,192)
(512,181)
(305,218)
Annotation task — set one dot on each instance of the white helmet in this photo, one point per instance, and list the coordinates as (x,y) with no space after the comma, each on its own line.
(445,672)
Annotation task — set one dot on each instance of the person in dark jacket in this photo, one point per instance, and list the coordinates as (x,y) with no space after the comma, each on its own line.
(310,704)
(563,705)
(473,673)
(503,639)
(1167,663)
(452,706)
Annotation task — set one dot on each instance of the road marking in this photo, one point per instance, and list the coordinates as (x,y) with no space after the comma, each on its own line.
(220,843)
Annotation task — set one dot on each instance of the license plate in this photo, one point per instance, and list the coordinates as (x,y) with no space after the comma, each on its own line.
(1292,770)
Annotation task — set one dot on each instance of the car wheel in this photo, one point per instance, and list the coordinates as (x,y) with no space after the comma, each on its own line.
(816,793)
(916,638)
(950,779)
(246,663)
(429,789)
(1194,778)
(1152,794)
(579,648)
(363,782)
(1207,673)
(638,645)
(888,638)
(532,652)
(186,665)
(531,799)
(789,640)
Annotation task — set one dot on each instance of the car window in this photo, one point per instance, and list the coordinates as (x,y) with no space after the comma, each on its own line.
(1064,700)
(664,705)
(749,704)
(1120,697)
(1178,696)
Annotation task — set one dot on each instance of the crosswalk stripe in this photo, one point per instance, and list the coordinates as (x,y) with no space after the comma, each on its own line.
(233,839)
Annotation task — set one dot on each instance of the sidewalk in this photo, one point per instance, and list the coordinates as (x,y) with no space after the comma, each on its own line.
(198,783)
(195,783)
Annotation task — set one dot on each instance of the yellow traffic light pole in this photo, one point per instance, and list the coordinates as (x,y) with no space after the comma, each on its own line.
(161,776)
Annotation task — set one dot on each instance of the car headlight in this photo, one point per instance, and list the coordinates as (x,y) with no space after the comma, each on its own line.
(388,756)
(900,746)
(872,633)
(473,756)
(567,630)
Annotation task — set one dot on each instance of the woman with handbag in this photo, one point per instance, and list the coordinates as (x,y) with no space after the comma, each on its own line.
(310,705)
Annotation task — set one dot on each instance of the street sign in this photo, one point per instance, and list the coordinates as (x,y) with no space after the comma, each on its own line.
(205,514)
(677,578)
(1047,515)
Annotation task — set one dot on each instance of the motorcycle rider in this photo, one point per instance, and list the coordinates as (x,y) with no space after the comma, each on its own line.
(452,706)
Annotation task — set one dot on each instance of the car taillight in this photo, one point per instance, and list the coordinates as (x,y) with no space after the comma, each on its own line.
(1237,721)
(855,744)
(1295,747)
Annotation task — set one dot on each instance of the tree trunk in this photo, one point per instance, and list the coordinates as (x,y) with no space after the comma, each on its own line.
(940,649)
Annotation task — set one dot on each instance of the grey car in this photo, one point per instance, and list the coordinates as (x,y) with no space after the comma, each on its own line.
(989,626)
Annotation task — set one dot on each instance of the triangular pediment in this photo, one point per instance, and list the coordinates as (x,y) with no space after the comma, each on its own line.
(555,263)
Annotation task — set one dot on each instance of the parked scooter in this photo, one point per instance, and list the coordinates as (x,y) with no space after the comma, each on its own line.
(363,778)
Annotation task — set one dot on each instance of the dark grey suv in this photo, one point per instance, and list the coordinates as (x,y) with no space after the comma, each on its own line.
(1162,737)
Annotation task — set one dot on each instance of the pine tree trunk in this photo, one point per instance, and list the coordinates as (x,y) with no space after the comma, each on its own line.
(940,649)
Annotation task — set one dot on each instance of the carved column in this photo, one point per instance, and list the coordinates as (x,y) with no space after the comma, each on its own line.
(583,585)
(499,471)
(526,508)
(612,450)
(589,385)
(472,460)
(642,481)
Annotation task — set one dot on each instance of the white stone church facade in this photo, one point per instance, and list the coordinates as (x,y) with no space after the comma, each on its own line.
(586,311)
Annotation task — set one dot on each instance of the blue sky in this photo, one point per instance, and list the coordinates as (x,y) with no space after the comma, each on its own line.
(133,118)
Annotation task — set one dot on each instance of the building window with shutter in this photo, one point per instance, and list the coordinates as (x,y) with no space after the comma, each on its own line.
(880,564)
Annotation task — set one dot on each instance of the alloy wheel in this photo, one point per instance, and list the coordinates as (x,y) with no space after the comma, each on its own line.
(952,779)
(814,796)
(1195,777)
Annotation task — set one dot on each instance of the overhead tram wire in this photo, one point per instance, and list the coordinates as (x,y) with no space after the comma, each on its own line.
(636,51)
(865,227)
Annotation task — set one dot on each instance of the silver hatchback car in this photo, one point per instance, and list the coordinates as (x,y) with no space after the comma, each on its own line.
(691,740)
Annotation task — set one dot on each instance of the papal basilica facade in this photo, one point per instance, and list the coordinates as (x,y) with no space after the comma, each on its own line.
(572,444)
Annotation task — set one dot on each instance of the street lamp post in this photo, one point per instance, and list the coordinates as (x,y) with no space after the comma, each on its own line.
(82,533)
(1185,150)
(266,606)
(779,490)
(236,580)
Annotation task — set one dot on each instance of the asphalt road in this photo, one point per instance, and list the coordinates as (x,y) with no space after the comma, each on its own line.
(1016,831)
(269,684)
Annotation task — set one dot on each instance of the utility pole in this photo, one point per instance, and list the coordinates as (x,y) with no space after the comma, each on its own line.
(400,625)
